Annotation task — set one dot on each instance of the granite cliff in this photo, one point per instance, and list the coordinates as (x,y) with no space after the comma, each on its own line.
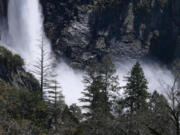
(83,30)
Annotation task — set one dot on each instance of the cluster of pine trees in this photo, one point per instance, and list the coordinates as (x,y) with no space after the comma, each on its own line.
(133,112)
(108,109)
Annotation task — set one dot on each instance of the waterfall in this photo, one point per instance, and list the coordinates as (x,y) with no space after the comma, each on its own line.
(25,29)
(24,34)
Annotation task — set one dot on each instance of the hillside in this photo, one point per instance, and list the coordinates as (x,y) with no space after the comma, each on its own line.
(13,72)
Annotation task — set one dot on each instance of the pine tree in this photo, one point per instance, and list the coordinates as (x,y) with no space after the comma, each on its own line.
(76,111)
(55,102)
(159,121)
(136,96)
(101,83)
(136,89)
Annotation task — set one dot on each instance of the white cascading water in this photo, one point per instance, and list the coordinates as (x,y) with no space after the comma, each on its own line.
(25,29)
(25,22)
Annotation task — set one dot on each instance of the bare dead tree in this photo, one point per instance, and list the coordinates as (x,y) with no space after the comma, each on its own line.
(43,66)
(174,104)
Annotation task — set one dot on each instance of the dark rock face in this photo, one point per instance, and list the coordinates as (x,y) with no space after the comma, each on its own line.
(3,14)
(83,31)
(19,78)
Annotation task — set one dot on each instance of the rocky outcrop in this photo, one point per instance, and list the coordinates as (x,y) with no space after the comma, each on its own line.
(133,29)
(12,71)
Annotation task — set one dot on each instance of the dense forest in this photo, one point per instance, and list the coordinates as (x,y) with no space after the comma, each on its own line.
(108,108)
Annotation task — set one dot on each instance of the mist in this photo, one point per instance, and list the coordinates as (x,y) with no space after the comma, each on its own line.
(25,30)
(156,74)
(72,80)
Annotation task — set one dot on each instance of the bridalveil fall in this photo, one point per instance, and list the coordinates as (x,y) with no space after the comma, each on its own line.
(23,34)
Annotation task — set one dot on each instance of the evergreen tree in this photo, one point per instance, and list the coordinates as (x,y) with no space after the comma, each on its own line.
(76,111)
(21,111)
(159,121)
(55,103)
(136,89)
(101,83)
(136,96)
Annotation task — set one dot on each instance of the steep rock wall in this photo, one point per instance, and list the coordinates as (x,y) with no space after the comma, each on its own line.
(84,30)
(81,31)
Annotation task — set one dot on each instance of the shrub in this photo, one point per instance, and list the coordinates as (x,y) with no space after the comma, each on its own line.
(9,60)
(23,108)
(18,61)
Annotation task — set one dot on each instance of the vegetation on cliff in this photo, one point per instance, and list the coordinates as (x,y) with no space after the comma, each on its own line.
(12,71)
(106,109)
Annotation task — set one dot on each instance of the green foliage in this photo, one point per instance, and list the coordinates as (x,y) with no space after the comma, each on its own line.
(55,106)
(135,101)
(23,112)
(159,115)
(76,111)
(11,61)
(101,83)
(136,89)
(18,61)
(18,107)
